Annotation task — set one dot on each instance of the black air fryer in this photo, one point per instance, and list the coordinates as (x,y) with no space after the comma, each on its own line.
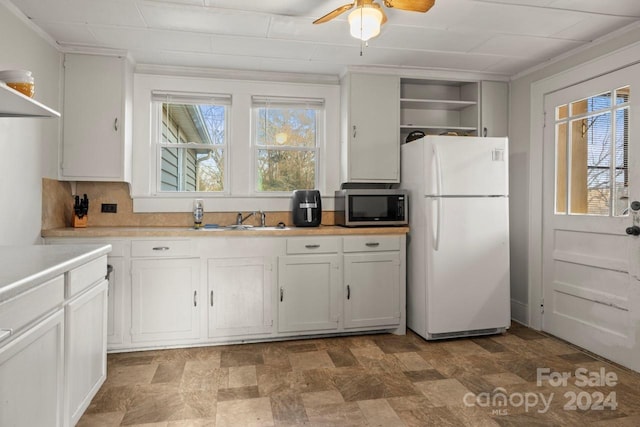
(306,208)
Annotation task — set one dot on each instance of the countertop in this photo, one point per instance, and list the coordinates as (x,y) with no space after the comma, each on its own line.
(190,232)
(25,267)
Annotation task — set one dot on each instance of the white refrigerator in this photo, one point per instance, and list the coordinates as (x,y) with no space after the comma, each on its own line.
(458,250)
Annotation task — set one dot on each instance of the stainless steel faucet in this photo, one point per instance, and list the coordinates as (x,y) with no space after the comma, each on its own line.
(240,219)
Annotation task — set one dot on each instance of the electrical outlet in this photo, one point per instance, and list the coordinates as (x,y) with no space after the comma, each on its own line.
(109,207)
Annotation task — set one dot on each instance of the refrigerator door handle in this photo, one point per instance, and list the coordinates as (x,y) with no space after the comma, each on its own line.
(437,171)
(437,223)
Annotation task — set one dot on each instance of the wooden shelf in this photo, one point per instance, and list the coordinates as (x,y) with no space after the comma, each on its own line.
(435,104)
(15,104)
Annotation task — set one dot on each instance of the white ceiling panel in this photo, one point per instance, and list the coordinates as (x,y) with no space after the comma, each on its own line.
(202,19)
(152,40)
(429,39)
(525,46)
(116,13)
(494,36)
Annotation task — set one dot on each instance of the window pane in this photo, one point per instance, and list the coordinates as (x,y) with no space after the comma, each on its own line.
(193,123)
(621,193)
(561,168)
(591,165)
(286,127)
(190,169)
(561,112)
(286,170)
(622,95)
(592,104)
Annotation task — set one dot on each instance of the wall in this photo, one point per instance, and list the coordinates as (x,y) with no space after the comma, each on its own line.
(522,210)
(28,147)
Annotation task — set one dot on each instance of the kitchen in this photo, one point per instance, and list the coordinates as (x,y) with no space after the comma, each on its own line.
(37,140)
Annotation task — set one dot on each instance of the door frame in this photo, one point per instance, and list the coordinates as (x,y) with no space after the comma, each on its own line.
(582,72)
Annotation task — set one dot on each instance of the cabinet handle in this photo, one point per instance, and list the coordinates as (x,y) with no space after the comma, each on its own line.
(312,246)
(348,292)
(5,333)
(485,132)
(354,131)
(281,294)
(372,244)
(161,248)
(195,298)
(211,298)
(115,124)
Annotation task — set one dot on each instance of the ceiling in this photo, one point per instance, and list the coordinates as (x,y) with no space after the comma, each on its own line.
(502,37)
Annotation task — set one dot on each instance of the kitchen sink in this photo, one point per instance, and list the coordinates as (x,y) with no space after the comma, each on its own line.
(243,227)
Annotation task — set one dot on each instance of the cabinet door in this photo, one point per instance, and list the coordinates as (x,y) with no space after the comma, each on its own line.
(372,134)
(85,350)
(372,289)
(165,304)
(308,293)
(115,307)
(93,121)
(239,296)
(495,108)
(31,373)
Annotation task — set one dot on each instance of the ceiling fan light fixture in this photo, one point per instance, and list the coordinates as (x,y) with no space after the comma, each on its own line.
(364,22)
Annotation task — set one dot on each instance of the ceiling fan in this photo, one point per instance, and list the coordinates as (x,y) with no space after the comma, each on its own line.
(368,16)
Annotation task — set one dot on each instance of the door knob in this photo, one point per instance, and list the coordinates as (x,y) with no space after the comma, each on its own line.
(633,230)
(635,205)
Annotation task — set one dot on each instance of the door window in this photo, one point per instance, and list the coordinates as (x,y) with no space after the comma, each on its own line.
(592,137)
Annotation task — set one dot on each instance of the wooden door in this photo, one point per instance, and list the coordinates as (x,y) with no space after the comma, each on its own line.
(590,280)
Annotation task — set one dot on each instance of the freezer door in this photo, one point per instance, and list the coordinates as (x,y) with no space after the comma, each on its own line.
(466,166)
(467,264)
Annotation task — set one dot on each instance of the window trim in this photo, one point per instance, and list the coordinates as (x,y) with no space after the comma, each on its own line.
(157,99)
(241,88)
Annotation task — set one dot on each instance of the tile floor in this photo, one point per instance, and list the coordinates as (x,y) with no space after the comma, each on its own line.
(368,380)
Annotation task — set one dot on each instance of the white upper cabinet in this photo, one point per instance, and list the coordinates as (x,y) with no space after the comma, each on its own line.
(494,114)
(370,120)
(96,142)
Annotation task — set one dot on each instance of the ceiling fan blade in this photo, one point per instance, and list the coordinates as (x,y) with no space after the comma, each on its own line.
(411,5)
(384,15)
(334,13)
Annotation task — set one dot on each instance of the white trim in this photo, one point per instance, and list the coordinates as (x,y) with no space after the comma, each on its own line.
(585,71)
(519,311)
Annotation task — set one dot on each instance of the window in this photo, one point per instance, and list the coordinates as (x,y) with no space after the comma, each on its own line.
(285,143)
(592,137)
(192,144)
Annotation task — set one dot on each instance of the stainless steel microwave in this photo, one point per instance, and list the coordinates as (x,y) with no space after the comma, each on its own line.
(371,207)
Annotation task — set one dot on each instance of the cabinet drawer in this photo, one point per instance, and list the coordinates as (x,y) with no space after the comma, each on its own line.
(26,308)
(313,245)
(371,243)
(161,248)
(86,275)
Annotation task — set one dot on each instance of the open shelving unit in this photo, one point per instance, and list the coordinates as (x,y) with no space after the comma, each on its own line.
(15,104)
(439,107)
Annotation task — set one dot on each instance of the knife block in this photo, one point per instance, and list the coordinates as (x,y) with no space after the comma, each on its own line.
(78,222)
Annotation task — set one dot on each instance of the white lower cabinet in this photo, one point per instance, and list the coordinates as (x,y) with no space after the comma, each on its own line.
(85,349)
(239,296)
(309,288)
(372,289)
(165,305)
(31,375)
(118,277)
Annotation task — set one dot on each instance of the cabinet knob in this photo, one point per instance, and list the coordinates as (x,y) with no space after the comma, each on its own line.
(161,248)
(372,244)
(211,299)
(281,294)
(354,131)
(312,246)
(348,292)
(195,298)
(115,124)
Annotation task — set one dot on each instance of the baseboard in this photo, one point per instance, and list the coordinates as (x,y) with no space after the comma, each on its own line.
(520,312)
